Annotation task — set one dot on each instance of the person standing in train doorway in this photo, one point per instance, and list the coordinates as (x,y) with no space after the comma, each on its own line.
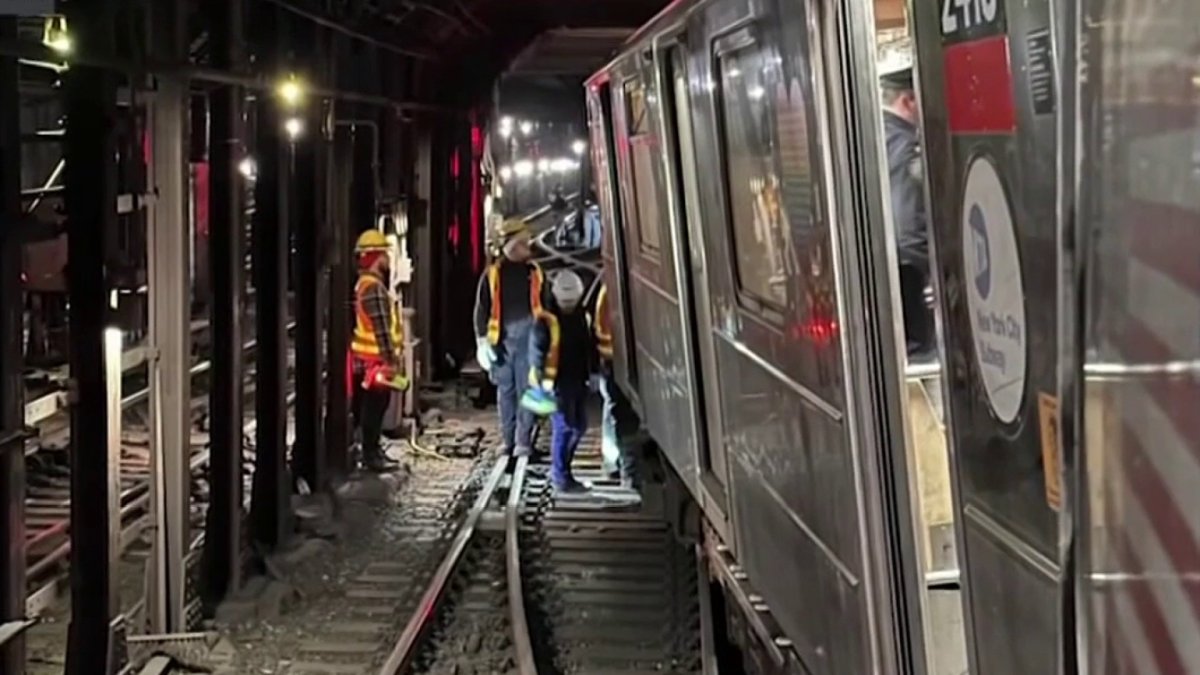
(508,300)
(906,177)
(562,359)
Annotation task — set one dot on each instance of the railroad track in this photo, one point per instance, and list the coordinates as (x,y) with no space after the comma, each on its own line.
(48,502)
(581,585)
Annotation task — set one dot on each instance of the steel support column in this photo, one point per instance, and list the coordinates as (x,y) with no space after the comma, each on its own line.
(270,500)
(91,201)
(223,528)
(337,427)
(308,453)
(170,379)
(12,390)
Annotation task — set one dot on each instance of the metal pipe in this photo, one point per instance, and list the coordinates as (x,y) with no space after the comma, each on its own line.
(213,75)
(351,33)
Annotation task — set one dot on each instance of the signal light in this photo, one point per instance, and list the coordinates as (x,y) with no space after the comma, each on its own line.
(55,35)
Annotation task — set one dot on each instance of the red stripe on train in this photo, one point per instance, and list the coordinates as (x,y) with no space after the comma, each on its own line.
(1178,399)
(1167,238)
(1149,614)
(1170,524)
(979,88)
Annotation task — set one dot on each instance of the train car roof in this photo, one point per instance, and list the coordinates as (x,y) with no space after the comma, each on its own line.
(668,14)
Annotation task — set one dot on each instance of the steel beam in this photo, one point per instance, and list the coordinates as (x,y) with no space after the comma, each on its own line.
(12,390)
(271,496)
(170,333)
(91,199)
(222,543)
(337,427)
(308,453)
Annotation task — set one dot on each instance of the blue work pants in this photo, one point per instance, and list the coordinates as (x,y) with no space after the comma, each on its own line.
(568,426)
(511,376)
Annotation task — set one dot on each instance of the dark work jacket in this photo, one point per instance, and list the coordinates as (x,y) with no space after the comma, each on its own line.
(906,175)
(576,352)
(514,297)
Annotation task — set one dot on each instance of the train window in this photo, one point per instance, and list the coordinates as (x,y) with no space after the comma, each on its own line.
(641,154)
(752,177)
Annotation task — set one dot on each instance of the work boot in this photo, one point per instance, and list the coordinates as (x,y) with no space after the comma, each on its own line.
(522,451)
(379,462)
(572,487)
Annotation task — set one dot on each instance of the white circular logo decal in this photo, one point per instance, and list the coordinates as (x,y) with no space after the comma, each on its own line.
(995,291)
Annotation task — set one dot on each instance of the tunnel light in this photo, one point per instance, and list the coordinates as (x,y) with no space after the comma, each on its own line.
(506,173)
(55,35)
(505,132)
(756,93)
(294,127)
(579,147)
(543,165)
(523,168)
(248,168)
(526,127)
(291,91)
(563,165)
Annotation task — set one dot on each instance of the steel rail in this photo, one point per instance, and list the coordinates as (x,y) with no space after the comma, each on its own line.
(526,664)
(405,649)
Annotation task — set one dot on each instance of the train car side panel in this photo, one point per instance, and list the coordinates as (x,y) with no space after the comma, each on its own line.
(600,120)
(778,345)
(658,333)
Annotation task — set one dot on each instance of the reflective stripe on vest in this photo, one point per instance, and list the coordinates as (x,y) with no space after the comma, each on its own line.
(363,343)
(604,338)
(535,299)
(550,367)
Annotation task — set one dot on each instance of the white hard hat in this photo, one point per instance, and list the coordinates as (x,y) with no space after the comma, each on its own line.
(567,289)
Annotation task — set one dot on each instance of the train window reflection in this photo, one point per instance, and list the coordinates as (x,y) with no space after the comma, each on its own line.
(641,153)
(752,181)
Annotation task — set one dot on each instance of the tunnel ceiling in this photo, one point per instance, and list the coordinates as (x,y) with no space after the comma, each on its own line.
(466,45)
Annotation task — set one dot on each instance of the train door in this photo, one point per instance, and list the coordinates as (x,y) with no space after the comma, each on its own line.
(600,110)
(688,226)
(986,77)
(1136,503)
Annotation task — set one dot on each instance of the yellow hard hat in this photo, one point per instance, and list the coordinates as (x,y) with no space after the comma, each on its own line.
(371,240)
(513,227)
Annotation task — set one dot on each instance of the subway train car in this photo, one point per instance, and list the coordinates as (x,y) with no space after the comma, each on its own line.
(738,153)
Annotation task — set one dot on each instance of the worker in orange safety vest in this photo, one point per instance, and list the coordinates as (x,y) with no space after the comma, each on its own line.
(375,347)
(508,301)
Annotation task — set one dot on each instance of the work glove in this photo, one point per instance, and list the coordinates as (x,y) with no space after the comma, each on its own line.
(485,354)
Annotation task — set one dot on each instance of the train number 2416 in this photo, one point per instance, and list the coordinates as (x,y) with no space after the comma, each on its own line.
(960,15)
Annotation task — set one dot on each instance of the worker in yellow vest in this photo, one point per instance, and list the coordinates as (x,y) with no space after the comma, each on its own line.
(375,347)
(508,301)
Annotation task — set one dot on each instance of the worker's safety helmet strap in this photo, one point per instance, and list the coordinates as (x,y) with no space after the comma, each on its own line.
(371,240)
(567,289)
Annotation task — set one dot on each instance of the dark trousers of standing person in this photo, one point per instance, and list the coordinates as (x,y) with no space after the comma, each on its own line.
(511,376)
(569,423)
(369,408)
(919,333)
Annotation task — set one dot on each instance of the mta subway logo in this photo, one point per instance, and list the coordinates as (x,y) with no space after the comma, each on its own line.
(983,253)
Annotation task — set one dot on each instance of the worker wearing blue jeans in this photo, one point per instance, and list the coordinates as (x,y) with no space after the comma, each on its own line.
(507,303)
(562,356)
